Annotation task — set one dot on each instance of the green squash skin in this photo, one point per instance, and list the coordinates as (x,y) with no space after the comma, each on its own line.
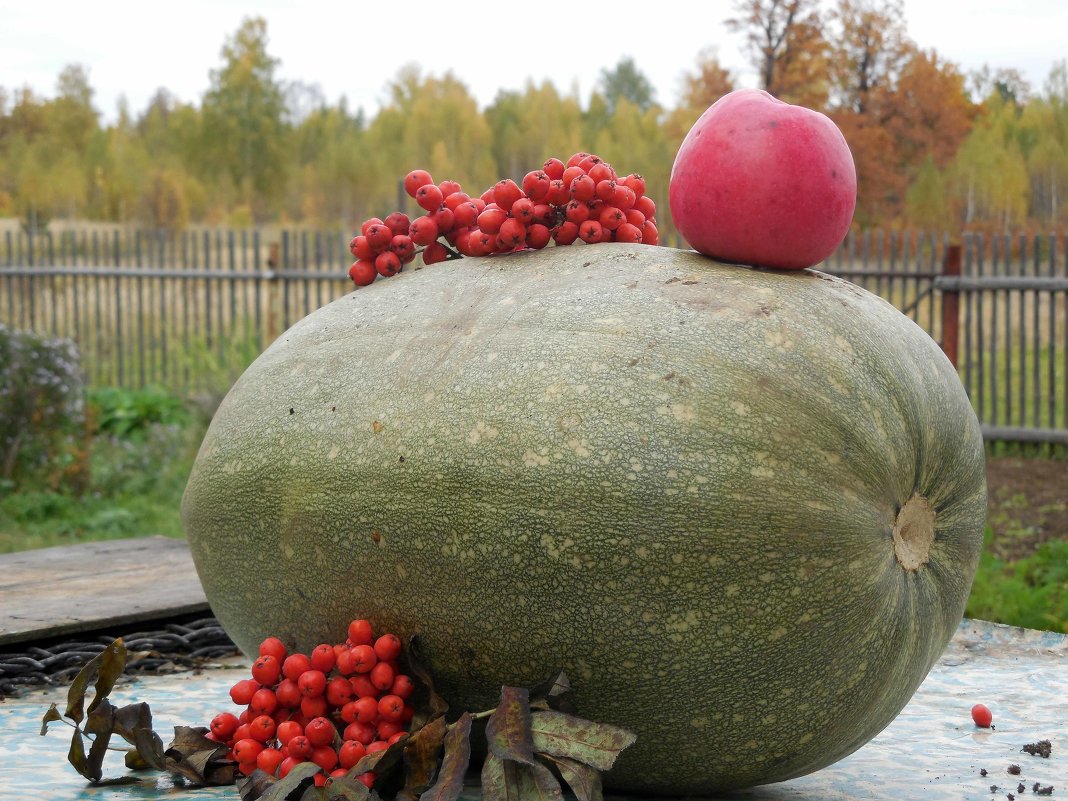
(675,479)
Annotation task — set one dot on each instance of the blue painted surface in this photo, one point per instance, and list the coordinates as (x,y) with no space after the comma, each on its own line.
(931,751)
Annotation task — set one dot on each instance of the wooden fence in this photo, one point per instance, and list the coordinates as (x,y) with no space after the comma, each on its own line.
(189,311)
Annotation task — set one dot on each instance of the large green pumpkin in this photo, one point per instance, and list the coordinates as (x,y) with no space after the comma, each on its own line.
(742,509)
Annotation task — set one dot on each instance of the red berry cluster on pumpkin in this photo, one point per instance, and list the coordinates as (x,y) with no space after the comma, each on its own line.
(584,200)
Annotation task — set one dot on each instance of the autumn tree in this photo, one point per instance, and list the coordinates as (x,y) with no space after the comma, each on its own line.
(243,114)
(785,40)
(702,87)
(530,126)
(626,81)
(868,49)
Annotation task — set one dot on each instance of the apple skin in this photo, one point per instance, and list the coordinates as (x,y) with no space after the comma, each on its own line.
(758,181)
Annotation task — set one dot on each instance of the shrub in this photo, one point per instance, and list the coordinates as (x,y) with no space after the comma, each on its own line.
(41,406)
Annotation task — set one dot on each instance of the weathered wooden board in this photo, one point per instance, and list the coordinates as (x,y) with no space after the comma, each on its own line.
(57,591)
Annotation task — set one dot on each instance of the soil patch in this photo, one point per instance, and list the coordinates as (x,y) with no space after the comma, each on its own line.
(1027,504)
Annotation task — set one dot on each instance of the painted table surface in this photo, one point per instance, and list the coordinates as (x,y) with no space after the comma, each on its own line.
(931,751)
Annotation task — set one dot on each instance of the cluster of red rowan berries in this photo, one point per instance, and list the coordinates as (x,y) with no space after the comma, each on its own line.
(331,707)
(584,200)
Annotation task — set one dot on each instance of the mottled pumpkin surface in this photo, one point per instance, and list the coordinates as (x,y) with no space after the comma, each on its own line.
(741,508)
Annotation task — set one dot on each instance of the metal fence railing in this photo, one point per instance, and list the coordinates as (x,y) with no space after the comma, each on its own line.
(186,309)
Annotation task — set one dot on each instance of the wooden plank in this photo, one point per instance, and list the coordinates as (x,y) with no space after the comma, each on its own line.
(57,591)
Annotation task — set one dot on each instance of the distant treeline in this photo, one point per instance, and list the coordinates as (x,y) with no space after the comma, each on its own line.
(934,148)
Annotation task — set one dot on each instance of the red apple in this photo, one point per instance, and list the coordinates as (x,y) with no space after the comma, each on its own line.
(758,181)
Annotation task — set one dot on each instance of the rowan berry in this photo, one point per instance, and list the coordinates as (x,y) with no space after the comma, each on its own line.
(287,730)
(583,188)
(362,272)
(312,683)
(623,197)
(288,693)
(443,218)
(243,732)
(379,236)
(403,686)
(605,189)
(268,760)
(628,233)
(351,752)
(339,691)
(376,746)
(367,779)
(646,206)
(262,728)
(266,670)
(523,210)
(360,631)
(422,231)
(367,709)
(491,220)
(650,236)
(246,768)
(554,168)
(387,728)
(272,646)
(368,224)
(242,692)
(456,199)
(300,747)
(602,171)
(323,658)
(465,215)
(396,737)
(365,658)
(611,218)
(536,184)
(360,732)
(566,233)
(542,213)
(247,750)
(538,236)
(982,716)
(404,247)
(381,676)
(570,174)
(590,162)
(314,706)
(224,725)
(506,192)
(635,218)
(576,158)
(636,184)
(558,193)
(320,731)
(398,222)
(391,707)
(590,232)
(429,197)
(416,179)
(264,701)
(449,188)
(577,212)
(287,765)
(432,254)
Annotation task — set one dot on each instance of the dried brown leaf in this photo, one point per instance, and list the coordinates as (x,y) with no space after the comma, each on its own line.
(595,744)
(293,785)
(508,728)
(76,757)
(499,779)
(51,715)
(345,789)
(537,783)
(381,762)
(427,703)
(584,781)
(421,756)
(112,664)
(450,781)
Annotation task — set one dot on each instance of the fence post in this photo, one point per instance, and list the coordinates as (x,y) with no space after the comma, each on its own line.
(951,305)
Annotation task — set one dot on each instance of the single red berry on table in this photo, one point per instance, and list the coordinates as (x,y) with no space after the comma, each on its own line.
(982,716)
(246,768)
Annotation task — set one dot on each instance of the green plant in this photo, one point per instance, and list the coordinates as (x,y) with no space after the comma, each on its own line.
(1031,592)
(41,408)
(123,412)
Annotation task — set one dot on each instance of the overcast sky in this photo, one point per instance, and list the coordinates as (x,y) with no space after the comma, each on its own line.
(354,48)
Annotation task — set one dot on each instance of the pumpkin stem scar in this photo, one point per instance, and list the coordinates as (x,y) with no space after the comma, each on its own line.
(914,532)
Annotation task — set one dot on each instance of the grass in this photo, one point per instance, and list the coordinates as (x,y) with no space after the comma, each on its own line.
(137,470)
(1030,592)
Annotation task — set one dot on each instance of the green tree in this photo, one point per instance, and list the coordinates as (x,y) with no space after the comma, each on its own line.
(626,81)
(243,112)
